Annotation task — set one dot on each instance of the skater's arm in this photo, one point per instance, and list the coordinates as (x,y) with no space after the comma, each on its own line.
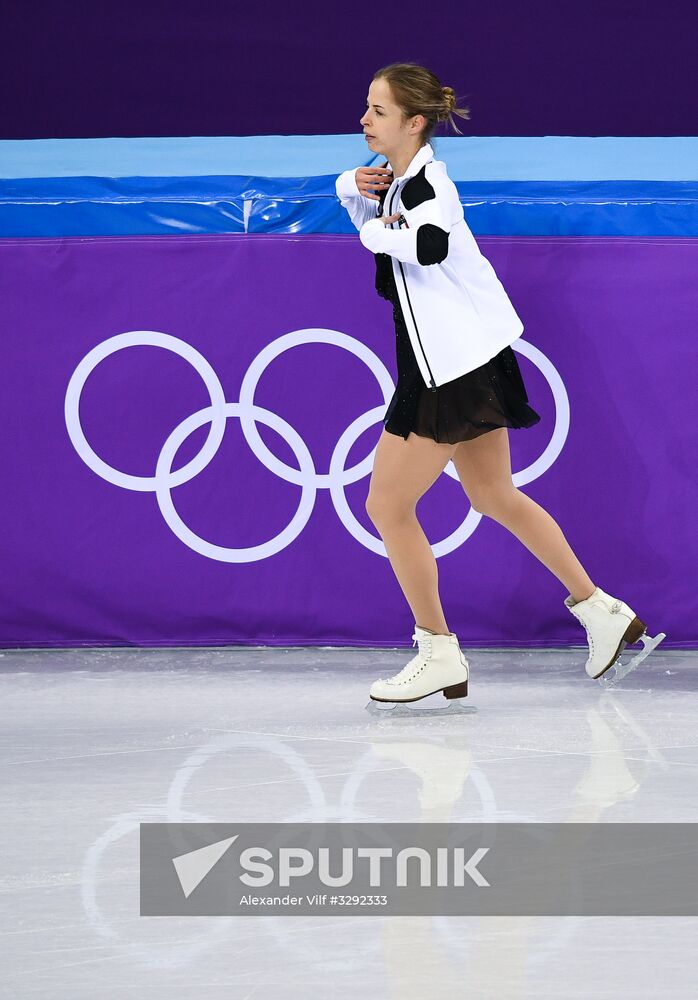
(360,208)
(424,239)
(427,244)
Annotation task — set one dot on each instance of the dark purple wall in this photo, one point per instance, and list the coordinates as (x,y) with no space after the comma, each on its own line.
(216,67)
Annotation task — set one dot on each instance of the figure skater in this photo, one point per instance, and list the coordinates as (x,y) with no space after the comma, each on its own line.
(459,386)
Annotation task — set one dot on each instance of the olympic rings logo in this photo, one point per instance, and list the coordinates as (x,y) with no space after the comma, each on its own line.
(249,414)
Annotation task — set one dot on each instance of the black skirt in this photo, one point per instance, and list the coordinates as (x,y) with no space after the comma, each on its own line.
(482,400)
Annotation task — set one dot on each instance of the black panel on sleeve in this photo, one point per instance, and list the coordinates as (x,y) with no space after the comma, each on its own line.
(432,244)
(417,190)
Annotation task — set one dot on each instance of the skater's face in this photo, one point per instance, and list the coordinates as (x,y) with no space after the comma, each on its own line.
(390,133)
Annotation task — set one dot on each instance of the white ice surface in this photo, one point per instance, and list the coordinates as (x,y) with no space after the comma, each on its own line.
(93,742)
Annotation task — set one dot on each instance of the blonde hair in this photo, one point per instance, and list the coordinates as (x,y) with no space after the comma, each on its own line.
(417,91)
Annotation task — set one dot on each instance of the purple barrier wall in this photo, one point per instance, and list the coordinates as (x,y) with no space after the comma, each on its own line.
(141,504)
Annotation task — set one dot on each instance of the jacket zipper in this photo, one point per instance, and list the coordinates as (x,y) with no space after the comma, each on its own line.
(432,386)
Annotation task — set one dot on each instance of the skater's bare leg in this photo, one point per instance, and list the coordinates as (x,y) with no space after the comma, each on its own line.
(484,469)
(403,471)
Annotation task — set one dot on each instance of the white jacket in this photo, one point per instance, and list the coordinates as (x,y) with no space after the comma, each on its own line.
(456,310)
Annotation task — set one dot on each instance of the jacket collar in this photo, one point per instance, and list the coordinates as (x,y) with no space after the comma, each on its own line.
(422,156)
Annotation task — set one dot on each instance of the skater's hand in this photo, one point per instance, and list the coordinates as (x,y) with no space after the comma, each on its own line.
(370,179)
(387,219)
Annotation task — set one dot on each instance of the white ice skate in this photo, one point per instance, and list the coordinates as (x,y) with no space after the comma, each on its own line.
(610,624)
(439,665)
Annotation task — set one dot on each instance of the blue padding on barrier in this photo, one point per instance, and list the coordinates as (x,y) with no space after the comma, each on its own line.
(532,186)
(548,157)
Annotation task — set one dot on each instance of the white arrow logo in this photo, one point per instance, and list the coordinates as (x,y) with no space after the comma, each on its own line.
(192,867)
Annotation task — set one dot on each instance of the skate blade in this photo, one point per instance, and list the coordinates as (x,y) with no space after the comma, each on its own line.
(410,710)
(620,670)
